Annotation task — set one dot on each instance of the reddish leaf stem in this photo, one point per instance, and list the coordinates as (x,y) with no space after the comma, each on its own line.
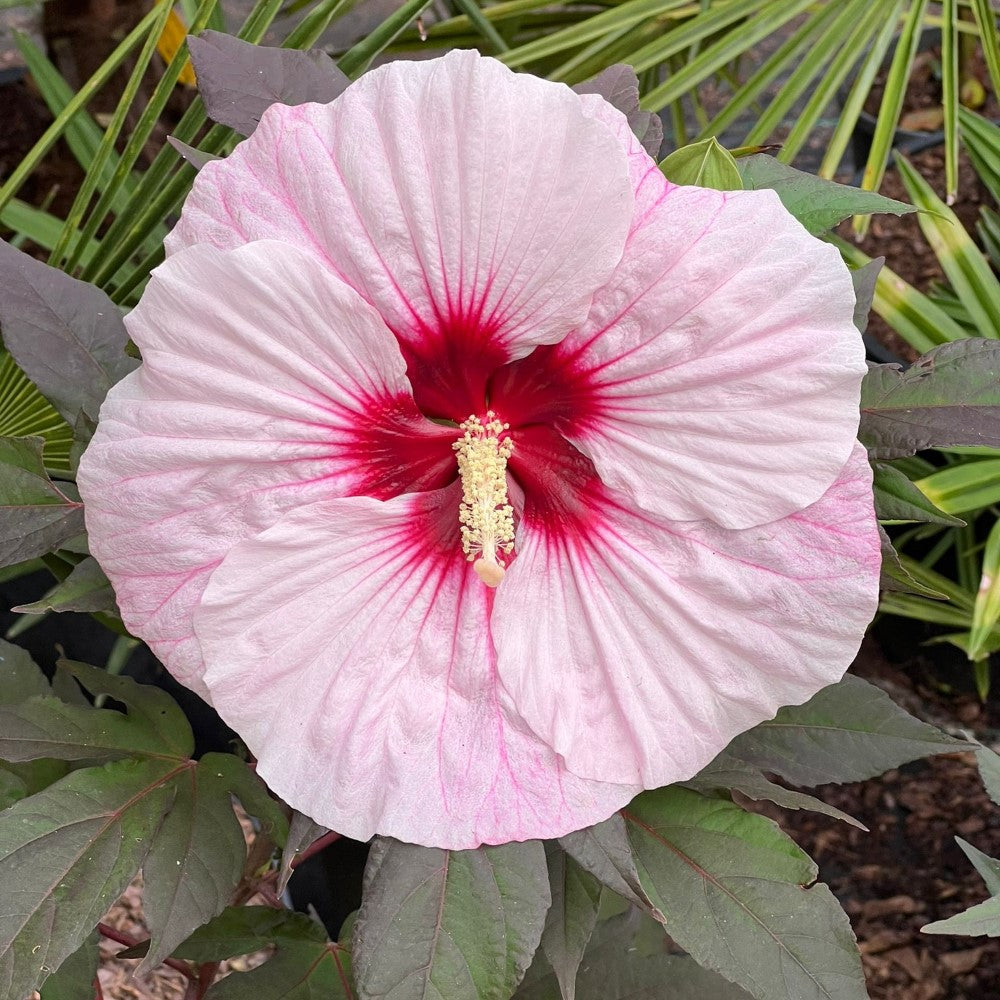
(315,847)
(120,937)
(207,972)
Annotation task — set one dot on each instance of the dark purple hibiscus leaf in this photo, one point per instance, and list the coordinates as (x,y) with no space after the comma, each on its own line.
(619,86)
(238,81)
(36,514)
(817,203)
(865,278)
(196,157)
(949,398)
(458,924)
(66,335)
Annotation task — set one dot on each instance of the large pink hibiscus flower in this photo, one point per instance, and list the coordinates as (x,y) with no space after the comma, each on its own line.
(478,475)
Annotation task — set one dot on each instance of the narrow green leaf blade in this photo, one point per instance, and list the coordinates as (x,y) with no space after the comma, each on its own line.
(963,262)
(983,919)
(988,868)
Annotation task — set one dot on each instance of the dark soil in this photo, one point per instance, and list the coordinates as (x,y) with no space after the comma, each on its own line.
(907,870)
(900,241)
(922,103)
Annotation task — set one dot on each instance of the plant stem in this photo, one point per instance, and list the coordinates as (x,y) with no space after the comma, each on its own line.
(120,937)
(315,847)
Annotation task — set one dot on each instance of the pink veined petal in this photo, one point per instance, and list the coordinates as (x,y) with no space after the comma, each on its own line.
(349,646)
(718,374)
(639,647)
(267,383)
(648,183)
(478,210)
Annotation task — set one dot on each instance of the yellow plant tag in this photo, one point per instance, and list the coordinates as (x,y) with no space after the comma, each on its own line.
(171,39)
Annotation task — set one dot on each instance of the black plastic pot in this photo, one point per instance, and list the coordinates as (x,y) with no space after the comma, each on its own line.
(906,140)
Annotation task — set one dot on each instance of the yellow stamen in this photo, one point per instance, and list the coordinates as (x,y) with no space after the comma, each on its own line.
(485,515)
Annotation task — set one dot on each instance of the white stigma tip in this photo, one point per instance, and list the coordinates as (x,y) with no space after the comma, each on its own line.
(485,515)
(491,573)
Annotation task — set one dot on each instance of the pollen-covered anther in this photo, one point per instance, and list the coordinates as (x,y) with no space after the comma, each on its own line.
(485,515)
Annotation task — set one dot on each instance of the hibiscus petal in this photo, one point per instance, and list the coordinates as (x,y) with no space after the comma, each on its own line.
(266,383)
(349,646)
(477,209)
(639,647)
(718,374)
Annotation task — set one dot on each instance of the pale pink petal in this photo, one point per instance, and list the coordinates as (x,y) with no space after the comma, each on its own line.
(349,646)
(639,647)
(477,209)
(266,383)
(718,374)
(648,182)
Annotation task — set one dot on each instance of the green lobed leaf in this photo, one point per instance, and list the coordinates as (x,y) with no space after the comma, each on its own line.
(238,81)
(461,925)
(704,164)
(733,889)
(50,727)
(85,589)
(196,157)
(865,280)
(576,899)
(20,676)
(728,774)
(74,979)
(195,861)
(238,930)
(614,969)
(36,515)
(817,203)
(619,86)
(299,970)
(849,731)
(895,576)
(605,852)
(981,919)
(949,398)
(66,335)
(897,498)
(71,850)
(988,868)
(303,831)
(240,779)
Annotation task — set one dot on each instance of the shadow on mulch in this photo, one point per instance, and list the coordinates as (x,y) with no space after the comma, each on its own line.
(908,870)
